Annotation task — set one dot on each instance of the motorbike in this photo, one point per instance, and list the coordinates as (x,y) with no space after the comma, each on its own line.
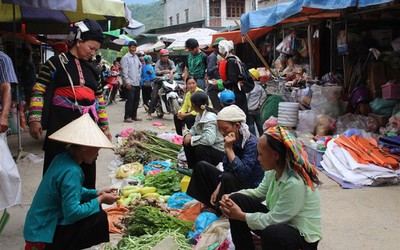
(111,87)
(169,99)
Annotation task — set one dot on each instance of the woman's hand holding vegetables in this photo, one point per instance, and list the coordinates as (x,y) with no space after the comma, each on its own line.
(108,198)
(231,210)
(107,191)
(187,140)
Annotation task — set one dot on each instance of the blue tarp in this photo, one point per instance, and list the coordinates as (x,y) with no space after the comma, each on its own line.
(273,15)
(365,3)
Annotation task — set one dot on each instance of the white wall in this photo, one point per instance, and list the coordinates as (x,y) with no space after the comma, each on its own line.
(173,7)
(197,11)
(230,22)
(269,3)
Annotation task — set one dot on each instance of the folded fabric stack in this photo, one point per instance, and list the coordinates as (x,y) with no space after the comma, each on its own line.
(358,161)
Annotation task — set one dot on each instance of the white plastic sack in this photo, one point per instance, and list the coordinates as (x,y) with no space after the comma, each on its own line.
(10,181)
(327,100)
(215,232)
(307,121)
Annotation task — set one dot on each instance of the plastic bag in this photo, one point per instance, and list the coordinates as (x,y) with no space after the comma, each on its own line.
(10,181)
(327,100)
(303,96)
(172,137)
(271,122)
(383,107)
(203,220)
(157,166)
(307,121)
(129,169)
(350,121)
(126,132)
(177,200)
(217,232)
(325,125)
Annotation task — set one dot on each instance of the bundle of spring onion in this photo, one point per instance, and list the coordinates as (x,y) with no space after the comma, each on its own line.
(145,147)
(148,241)
(149,220)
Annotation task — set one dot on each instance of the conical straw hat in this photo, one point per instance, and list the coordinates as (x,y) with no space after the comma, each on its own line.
(82,131)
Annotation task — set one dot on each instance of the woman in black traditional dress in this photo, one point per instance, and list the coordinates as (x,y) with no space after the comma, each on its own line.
(67,87)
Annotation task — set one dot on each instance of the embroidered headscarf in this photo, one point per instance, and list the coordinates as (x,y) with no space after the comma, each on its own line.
(233,113)
(296,156)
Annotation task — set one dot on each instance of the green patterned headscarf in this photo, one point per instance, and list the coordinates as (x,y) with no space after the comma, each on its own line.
(296,157)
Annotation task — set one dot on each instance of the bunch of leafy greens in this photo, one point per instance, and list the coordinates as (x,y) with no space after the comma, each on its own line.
(148,241)
(150,220)
(166,182)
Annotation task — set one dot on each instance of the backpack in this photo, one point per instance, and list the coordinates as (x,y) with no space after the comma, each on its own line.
(246,81)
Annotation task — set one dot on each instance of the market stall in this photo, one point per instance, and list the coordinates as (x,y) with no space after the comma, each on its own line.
(338,64)
(154,210)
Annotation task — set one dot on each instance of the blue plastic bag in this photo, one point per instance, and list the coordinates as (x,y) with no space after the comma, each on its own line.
(202,222)
(149,167)
(353,131)
(177,200)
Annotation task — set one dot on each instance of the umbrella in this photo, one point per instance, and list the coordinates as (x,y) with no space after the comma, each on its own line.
(202,35)
(116,43)
(134,28)
(56,17)
(151,47)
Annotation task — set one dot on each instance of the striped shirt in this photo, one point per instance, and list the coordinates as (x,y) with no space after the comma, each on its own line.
(7,73)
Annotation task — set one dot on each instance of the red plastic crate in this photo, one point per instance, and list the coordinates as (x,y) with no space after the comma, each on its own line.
(391,91)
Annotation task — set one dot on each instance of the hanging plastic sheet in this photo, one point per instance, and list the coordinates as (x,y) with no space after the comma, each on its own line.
(10,181)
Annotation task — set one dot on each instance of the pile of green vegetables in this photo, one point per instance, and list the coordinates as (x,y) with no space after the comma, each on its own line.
(145,147)
(148,241)
(166,182)
(150,220)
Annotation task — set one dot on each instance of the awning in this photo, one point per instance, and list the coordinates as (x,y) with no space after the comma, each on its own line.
(202,35)
(151,47)
(271,16)
(236,36)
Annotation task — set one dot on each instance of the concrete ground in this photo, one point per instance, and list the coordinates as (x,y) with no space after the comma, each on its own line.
(351,219)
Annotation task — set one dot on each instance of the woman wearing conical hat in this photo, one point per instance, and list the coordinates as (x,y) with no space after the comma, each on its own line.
(64,214)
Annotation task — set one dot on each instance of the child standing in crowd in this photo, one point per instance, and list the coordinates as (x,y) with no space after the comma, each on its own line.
(197,63)
(255,99)
(148,76)
(226,98)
